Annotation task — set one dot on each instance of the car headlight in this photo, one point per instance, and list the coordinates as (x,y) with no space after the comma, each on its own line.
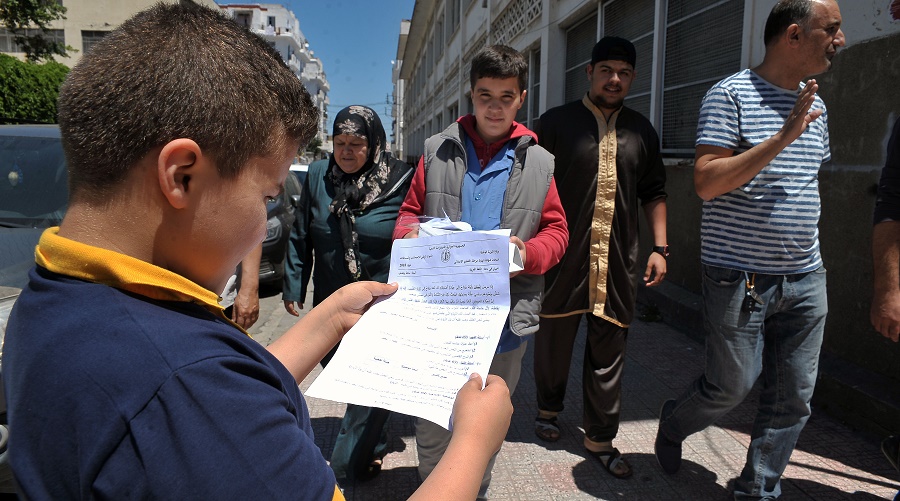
(273,229)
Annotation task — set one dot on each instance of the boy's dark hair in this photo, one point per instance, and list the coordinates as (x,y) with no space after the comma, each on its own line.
(499,61)
(172,71)
(784,14)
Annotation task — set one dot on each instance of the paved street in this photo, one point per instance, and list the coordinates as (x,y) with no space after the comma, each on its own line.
(832,462)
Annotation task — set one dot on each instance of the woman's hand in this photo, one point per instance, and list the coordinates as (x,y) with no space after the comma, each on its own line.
(289,306)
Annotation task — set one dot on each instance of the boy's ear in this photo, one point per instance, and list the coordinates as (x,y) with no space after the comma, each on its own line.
(522,98)
(176,166)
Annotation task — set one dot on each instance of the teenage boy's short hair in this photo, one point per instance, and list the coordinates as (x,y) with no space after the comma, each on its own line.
(499,61)
(172,71)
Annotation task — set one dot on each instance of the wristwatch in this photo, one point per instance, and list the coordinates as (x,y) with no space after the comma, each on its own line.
(662,250)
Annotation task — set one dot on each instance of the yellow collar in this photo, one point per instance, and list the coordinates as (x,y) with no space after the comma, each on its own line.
(611,122)
(93,264)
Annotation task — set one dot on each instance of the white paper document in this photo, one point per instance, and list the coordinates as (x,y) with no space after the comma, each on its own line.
(432,226)
(411,352)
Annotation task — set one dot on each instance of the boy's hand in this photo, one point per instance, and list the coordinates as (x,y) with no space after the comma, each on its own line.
(481,417)
(521,246)
(349,302)
(410,222)
(289,306)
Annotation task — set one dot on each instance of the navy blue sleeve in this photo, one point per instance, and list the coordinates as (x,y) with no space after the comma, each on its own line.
(222,428)
(887,205)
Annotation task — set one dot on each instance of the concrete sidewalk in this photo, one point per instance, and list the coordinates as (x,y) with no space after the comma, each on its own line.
(831,461)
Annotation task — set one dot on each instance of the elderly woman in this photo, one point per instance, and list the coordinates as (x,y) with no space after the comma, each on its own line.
(344,225)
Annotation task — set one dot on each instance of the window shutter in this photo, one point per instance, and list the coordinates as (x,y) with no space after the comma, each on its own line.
(703,45)
(633,20)
(580,39)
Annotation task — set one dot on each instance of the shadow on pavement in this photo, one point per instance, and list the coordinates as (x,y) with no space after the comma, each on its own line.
(693,481)
(398,483)
(326,430)
(821,492)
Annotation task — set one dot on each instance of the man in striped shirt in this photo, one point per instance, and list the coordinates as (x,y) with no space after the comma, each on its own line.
(762,136)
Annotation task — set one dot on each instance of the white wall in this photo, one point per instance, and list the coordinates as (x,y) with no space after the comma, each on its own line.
(862,20)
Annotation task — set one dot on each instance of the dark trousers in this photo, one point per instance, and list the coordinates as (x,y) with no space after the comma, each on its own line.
(604,360)
(361,440)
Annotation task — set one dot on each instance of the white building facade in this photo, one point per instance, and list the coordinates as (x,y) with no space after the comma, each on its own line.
(398,145)
(280,27)
(87,22)
(556,37)
(683,47)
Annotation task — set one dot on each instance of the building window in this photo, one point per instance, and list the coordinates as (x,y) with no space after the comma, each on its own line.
(271,21)
(8,38)
(439,38)
(7,41)
(452,113)
(452,18)
(534,91)
(703,45)
(633,20)
(243,18)
(529,112)
(89,38)
(580,40)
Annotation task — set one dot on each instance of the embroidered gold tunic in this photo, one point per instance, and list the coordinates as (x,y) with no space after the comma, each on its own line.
(604,170)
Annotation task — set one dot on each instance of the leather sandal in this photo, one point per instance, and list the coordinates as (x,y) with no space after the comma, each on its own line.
(613,462)
(547,429)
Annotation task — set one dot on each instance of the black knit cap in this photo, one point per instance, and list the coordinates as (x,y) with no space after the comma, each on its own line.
(614,49)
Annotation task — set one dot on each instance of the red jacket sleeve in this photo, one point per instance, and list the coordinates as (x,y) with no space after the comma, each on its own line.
(412,204)
(549,244)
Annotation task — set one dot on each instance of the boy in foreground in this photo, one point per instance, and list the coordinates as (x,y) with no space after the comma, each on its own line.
(123,377)
(488,170)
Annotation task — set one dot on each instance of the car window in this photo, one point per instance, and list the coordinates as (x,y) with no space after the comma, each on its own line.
(293,185)
(33,181)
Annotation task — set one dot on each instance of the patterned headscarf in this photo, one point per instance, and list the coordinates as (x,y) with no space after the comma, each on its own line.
(356,191)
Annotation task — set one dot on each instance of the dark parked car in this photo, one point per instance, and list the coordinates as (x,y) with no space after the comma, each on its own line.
(278,232)
(33,194)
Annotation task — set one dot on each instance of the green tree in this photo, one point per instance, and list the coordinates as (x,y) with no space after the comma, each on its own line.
(20,15)
(315,147)
(28,91)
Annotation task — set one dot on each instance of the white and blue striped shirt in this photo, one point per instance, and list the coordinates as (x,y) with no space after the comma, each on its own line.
(770,224)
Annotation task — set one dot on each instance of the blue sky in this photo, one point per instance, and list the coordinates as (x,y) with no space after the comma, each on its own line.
(356,41)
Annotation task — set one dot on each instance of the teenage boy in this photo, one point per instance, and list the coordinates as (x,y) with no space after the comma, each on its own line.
(487,170)
(124,379)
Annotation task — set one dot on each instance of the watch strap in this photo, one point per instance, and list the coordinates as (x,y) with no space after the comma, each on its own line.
(662,250)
